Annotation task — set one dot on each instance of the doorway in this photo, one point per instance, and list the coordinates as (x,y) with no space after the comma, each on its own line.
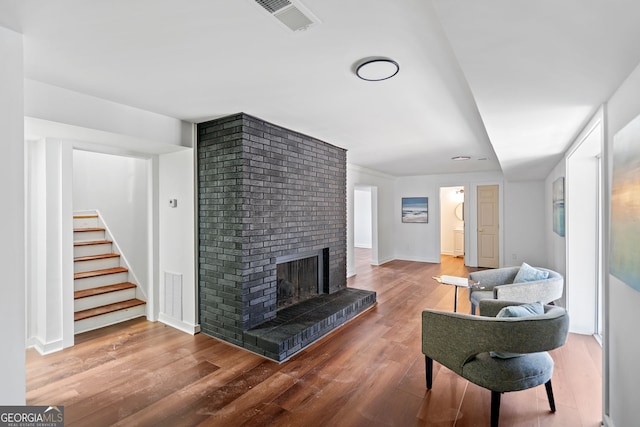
(365,224)
(584,233)
(61,178)
(452,225)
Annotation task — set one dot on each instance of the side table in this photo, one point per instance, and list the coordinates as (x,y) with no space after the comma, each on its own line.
(458,282)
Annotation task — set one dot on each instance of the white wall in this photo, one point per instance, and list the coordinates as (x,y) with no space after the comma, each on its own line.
(362,235)
(382,201)
(449,222)
(12,228)
(117,187)
(421,242)
(524,218)
(141,129)
(177,241)
(622,348)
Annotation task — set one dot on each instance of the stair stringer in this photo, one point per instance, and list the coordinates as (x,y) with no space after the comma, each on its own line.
(140,293)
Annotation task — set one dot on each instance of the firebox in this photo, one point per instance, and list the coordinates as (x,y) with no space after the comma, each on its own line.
(300,277)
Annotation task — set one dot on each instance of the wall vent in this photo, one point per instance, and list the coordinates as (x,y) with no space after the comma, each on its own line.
(173,295)
(292,14)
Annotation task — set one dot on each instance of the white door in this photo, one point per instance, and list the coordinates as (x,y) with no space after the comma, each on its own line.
(488,226)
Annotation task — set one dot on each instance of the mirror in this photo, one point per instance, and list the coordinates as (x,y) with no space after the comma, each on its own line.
(459,211)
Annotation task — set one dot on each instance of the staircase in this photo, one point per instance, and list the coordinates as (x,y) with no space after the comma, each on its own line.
(103,293)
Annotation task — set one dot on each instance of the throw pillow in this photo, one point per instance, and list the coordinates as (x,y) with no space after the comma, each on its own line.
(525,310)
(529,274)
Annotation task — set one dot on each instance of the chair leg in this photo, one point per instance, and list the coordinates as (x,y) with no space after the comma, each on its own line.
(552,402)
(428,363)
(473,308)
(495,408)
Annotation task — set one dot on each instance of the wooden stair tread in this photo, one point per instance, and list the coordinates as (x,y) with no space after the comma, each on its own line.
(97,311)
(103,290)
(94,257)
(92,242)
(86,216)
(95,273)
(80,230)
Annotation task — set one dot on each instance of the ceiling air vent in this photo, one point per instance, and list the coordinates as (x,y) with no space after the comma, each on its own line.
(273,5)
(292,14)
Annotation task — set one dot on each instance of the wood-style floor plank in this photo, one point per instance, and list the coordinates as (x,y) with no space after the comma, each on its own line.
(369,372)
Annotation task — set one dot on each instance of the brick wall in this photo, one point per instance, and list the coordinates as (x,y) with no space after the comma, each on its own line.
(263,192)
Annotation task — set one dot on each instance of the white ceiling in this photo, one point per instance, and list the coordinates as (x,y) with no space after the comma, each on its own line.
(511,81)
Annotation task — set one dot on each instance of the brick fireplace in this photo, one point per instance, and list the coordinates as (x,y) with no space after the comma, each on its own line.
(267,197)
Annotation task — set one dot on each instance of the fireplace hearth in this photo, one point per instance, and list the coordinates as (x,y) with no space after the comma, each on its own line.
(271,203)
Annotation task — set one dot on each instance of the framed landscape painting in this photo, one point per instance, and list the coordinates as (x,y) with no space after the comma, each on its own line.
(415,209)
(558,206)
(625,205)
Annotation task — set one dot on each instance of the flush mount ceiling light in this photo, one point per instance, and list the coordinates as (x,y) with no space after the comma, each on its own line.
(460,158)
(376,69)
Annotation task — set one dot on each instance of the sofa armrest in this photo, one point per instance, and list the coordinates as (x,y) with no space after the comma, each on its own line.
(544,291)
(488,279)
(446,338)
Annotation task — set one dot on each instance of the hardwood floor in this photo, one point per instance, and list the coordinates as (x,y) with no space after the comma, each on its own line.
(370,372)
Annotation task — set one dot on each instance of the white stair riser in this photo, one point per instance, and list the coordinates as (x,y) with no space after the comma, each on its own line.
(96,264)
(97,281)
(85,222)
(109,319)
(89,250)
(103,299)
(83,236)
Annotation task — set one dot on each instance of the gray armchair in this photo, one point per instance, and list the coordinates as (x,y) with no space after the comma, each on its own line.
(498,284)
(463,343)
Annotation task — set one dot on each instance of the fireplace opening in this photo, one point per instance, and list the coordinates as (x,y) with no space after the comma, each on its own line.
(300,277)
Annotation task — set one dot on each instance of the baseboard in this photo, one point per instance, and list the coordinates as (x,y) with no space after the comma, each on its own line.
(607,422)
(44,348)
(382,261)
(352,271)
(418,259)
(362,245)
(179,324)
